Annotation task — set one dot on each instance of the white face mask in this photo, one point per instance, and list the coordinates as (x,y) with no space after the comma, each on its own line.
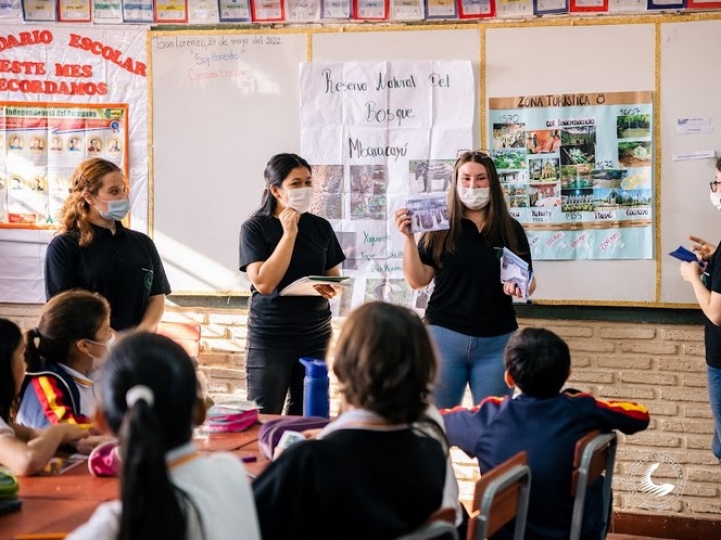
(715,199)
(300,199)
(474,198)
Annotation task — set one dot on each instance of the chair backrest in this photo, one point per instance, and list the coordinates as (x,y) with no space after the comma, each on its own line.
(595,455)
(501,494)
(437,529)
(186,334)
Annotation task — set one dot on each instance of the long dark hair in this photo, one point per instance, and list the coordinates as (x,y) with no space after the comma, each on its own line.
(277,170)
(385,362)
(498,226)
(152,506)
(10,336)
(65,319)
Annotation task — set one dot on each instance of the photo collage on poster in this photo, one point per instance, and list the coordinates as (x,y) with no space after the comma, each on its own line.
(39,149)
(564,175)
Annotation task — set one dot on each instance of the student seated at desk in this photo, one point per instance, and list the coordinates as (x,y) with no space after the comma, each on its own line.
(24,451)
(73,332)
(148,397)
(373,473)
(546,423)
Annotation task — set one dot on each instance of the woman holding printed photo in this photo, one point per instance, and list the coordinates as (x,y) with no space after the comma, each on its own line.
(470,313)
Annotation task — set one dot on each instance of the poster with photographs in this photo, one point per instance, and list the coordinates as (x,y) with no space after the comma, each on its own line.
(382,136)
(577,171)
(40,146)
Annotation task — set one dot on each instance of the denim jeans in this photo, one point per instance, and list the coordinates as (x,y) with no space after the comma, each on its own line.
(466,360)
(714,398)
(273,373)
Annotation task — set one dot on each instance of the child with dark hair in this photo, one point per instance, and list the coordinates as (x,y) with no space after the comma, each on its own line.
(378,471)
(23,450)
(73,332)
(149,399)
(545,422)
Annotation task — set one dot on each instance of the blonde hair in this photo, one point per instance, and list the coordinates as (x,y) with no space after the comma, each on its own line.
(87,177)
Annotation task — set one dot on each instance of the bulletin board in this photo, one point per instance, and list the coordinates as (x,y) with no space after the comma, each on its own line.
(211,136)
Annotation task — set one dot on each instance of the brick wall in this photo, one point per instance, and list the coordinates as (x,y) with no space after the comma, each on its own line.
(661,366)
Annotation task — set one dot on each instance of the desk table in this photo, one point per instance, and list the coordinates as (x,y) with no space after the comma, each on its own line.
(63,502)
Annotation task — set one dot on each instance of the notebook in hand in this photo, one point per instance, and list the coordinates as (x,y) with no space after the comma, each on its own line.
(683,254)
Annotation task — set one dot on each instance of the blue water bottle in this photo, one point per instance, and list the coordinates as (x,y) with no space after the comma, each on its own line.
(315,388)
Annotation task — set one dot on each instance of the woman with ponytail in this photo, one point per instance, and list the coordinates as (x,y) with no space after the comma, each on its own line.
(148,398)
(24,450)
(96,252)
(280,243)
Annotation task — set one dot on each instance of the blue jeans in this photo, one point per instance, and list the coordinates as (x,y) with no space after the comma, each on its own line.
(714,398)
(466,360)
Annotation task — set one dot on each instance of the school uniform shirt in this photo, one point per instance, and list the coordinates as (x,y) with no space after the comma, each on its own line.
(304,319)
(86,390)
(468,296)
(547,429)
(123,267)
(217,485)
(712,333)
(355,483)
(52,396)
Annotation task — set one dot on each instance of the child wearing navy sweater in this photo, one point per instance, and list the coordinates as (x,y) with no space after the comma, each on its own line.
(546,423)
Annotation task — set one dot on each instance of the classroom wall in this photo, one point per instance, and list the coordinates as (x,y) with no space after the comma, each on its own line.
(661,366)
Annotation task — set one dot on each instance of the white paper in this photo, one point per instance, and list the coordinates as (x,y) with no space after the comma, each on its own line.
(514,8)
(687,156)
(407,10)
(694,125)
(620,6)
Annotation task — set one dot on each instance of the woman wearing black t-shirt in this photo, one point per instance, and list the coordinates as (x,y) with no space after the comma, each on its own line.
(470,313)
(280,243)
(96,252)
(706,282)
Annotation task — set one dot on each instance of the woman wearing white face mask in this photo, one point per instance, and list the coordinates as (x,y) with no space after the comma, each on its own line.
(73,332)
(280,243)
(470,312)
(706,282)
(95,252)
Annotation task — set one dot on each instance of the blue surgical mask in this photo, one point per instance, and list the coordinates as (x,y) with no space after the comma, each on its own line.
(117,210)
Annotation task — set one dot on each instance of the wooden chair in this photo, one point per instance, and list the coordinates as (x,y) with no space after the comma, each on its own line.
(186,334)
(501,494)
(437,529)
(595,455)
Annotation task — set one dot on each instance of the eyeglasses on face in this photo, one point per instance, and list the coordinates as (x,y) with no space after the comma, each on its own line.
(714,185)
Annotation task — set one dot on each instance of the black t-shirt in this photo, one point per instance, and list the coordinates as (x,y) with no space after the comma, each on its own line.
(304,319)
(468,294)
(124,267)
(355,484)
(712,333)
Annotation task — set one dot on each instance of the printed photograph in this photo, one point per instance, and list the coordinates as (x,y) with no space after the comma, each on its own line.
(508,136)
(578,135)
(328,189)
(633,126)
(430,176)
(576,176)
(622,197)
(510,159)
(635,153)
(363,206)
(394,291)
(429,213)
(543,170)
(347,241)
(543,141)
(578,154)
(544,195)
(577,200)
(368,179)
(607,178)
